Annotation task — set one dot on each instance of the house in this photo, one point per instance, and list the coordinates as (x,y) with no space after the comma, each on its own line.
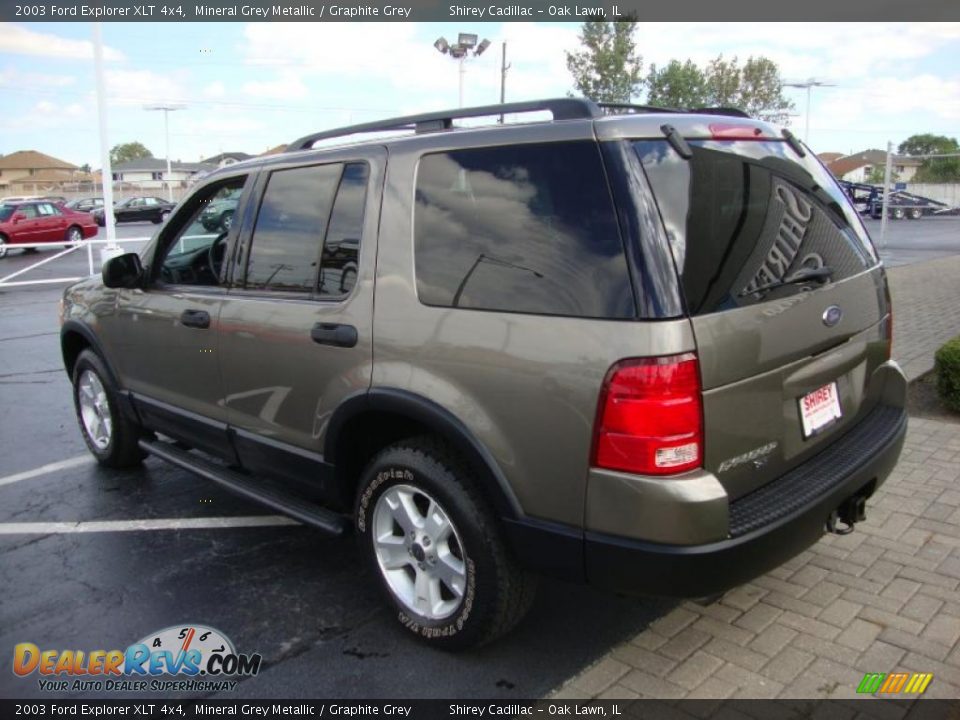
(226,158)
(151,173)
(275,150)
(856,168)
(29,172)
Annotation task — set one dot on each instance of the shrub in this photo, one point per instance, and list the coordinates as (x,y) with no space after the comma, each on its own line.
(947,361)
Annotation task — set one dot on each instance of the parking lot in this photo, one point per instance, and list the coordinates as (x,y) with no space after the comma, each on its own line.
(99,559)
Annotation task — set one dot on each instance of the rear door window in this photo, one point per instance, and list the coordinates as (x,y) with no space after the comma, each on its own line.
(743,216)
(524,228)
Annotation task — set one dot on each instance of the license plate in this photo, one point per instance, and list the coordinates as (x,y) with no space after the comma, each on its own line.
(819,409)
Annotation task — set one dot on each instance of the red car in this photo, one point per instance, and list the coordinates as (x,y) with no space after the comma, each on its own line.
(42,221)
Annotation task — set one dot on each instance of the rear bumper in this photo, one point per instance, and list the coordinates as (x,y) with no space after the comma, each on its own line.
(767,527)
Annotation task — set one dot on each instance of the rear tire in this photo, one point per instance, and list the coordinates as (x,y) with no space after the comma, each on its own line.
(915,214)
(74,235)
(109,434)
(435,545)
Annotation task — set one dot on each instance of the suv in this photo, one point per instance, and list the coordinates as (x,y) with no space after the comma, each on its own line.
(647,350)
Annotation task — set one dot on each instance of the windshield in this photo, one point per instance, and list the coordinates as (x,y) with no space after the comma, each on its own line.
(744,217)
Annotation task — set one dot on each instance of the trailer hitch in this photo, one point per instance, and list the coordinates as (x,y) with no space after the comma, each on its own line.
(851,511)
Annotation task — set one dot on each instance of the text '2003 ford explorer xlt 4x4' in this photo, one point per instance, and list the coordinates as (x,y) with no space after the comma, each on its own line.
(647,350)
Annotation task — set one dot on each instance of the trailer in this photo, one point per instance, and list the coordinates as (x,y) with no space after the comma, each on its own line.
(868,200)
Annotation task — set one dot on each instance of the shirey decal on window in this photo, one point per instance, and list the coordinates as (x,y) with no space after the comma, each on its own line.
(901,683)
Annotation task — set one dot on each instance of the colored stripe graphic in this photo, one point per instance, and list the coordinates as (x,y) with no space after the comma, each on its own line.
(893,683)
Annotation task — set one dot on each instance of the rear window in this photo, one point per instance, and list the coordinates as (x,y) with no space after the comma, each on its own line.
(742,216)
(524,228)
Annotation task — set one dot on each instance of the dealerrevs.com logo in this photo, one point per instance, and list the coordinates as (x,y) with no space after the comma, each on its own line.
(181,658)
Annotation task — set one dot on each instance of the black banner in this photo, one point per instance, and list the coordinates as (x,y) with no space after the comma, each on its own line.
(484,11)
(158,709)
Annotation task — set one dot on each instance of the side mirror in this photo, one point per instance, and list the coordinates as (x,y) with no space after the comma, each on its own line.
(123,271)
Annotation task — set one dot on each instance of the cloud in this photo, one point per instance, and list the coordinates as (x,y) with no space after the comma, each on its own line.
(144,87)
(285,86)
(18,40)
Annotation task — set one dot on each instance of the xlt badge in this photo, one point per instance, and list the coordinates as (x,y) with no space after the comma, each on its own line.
(757,455)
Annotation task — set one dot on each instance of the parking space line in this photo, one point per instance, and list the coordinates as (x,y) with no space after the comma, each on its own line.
(207,523)
(48,468)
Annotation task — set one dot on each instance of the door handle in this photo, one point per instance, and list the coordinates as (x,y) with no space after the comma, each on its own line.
(195,319)
(334,334)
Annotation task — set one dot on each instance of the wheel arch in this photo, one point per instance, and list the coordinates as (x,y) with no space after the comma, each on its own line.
(75,337)
(368,421)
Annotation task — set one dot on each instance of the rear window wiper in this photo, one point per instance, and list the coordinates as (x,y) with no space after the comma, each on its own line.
(802,275)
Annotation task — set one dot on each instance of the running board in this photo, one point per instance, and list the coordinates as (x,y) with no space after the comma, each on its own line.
(290,505)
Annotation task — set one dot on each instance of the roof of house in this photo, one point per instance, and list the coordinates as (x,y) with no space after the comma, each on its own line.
(849,163)
(275,150)
(32,160)
(829,157)
(159,164)
(217,159)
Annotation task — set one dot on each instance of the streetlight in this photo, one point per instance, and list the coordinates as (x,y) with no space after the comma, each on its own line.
(167,109)
(465,46)
(808,83)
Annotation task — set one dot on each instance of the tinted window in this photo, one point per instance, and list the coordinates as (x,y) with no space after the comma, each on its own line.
(196,249)
(743,216)
(338,265)
(29,211)
(524,228)
(6,211)
(290,228)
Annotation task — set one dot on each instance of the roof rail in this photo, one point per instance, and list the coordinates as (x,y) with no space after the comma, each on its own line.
(560,108)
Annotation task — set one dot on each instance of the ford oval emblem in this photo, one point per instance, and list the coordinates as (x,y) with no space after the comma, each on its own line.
(832,315)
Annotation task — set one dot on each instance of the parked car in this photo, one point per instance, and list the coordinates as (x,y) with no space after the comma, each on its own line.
(647,350)
(218,216)
(85,204)
(42,222)
(137,209)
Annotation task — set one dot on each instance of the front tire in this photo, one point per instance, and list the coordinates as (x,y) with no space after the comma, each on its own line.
(110,436)
(4,248)
(435,545)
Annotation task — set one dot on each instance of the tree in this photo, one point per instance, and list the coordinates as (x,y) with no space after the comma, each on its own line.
(126,152)
(933,169)
(875,176)
(678,85)
(755,87)
(608,67)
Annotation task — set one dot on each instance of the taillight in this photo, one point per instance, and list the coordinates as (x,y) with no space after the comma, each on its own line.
(888,322)
(735,131)
(650,417)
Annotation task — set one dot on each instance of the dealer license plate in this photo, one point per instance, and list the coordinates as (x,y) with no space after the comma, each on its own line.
(819,409)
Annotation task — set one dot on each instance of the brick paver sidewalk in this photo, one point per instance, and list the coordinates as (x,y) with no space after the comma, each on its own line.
(882,599)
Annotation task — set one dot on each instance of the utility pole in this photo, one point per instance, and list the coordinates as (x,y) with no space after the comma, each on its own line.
(167,109)
(886,194)
(808,83)
(465,47)
(503,76)
(106,168)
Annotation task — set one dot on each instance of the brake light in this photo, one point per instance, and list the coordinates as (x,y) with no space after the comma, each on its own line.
(650,417)
(735,131)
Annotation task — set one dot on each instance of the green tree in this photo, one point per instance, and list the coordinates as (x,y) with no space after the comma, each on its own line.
(755,87)
(677,85)
(607,68)
(875,176)
(933,170)
(126,152)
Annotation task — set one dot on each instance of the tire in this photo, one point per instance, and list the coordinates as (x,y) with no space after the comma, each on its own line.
(4,247)
(915,214)
(109,434)
(479,592)
(226,220)
(74,235)
(897,213)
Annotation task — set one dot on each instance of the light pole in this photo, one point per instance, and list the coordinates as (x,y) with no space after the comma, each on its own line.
(465,46)
(808,83)
(167,109)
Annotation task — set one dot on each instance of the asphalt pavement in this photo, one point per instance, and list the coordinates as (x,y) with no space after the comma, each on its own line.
(305,602)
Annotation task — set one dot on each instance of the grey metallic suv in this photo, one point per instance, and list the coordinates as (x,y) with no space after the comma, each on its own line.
(644,349)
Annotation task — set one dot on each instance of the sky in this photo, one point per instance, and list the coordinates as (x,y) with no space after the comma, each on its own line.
(251,86)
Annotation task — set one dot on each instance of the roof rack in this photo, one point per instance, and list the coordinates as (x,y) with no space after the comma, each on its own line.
(560,108)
